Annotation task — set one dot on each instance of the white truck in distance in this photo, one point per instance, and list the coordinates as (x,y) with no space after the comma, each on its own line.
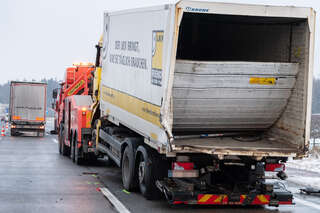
(27,112)
(197,100)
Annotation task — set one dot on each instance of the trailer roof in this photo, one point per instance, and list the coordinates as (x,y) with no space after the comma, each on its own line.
(226,8)
(230,9)
(27,82)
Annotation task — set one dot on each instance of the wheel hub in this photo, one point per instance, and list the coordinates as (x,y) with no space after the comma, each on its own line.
(141,171)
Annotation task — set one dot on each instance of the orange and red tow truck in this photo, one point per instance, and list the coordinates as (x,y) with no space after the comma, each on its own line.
(73,113)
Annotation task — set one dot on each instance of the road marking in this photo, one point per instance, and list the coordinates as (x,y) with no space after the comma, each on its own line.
(307,203)
(55,140)
(115,202)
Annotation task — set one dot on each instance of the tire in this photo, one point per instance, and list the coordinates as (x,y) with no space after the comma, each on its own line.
(64,148)
(13,133)
(73,151)
(77,157)
(129,174)
(60,139)
(149,170)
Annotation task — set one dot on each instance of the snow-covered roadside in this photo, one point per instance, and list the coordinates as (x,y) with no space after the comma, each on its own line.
(313,182)
(310,164)
(304,172)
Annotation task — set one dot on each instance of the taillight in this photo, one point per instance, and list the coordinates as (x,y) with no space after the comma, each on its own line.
(182,166)
(275,167)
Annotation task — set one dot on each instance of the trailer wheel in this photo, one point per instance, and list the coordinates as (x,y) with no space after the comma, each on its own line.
(148,173)
(129,178)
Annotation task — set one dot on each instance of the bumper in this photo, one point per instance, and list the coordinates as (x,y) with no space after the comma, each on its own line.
(183,195)
(86,135)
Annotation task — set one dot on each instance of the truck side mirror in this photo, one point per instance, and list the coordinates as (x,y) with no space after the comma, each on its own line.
(55,93)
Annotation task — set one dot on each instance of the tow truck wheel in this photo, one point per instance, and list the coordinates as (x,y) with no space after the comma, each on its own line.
(13,132)
(147,173)
(64,148)
(60,149)
(73,152)
(77,156)
(60,139)
(129,178)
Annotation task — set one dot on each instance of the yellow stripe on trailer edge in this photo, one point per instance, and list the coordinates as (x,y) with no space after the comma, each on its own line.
(136,106)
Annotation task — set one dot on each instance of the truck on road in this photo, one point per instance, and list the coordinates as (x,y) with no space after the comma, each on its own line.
(27,109)
(204,99)
(73,113)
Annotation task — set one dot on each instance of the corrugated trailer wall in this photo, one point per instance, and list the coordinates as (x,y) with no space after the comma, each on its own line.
(291,125)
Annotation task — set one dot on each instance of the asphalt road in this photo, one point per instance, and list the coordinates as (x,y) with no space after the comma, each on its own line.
(35,178)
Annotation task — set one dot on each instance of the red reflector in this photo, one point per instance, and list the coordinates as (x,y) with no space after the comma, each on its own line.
(182,166)
(275,167)
(177,202)
(285,202)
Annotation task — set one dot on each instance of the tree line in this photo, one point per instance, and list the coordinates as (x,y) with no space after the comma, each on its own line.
(51,84)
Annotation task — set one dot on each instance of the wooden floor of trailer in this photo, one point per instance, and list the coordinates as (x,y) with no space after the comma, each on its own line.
(262,145)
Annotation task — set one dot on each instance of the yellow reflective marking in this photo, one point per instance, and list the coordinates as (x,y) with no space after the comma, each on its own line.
(96,83)
(205,198)
(158,48)
(154,136)
(219,199)
(140,108)
(77,86)
(98,129)
(88,121)
(262,198)
(263,81)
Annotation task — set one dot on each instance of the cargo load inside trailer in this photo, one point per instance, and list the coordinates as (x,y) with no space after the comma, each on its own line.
(240,84)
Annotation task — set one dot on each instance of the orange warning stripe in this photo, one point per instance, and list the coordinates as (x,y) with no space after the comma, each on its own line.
(209,199)
(212,199)
(258,200)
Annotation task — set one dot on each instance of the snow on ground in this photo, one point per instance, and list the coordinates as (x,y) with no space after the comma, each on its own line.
(304,172)
(313,182)
(310,164)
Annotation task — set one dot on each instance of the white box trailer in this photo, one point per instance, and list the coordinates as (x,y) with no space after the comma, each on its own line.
(229,81)
(28,108)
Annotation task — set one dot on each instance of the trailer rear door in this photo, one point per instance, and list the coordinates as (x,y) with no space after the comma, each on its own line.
(28,102)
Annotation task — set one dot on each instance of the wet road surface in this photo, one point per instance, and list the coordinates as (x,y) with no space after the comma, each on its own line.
(35,178)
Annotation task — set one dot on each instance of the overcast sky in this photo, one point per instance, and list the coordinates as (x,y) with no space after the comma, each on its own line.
(40,38)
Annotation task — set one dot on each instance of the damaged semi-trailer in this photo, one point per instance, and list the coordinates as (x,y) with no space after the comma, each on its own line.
(203,98)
